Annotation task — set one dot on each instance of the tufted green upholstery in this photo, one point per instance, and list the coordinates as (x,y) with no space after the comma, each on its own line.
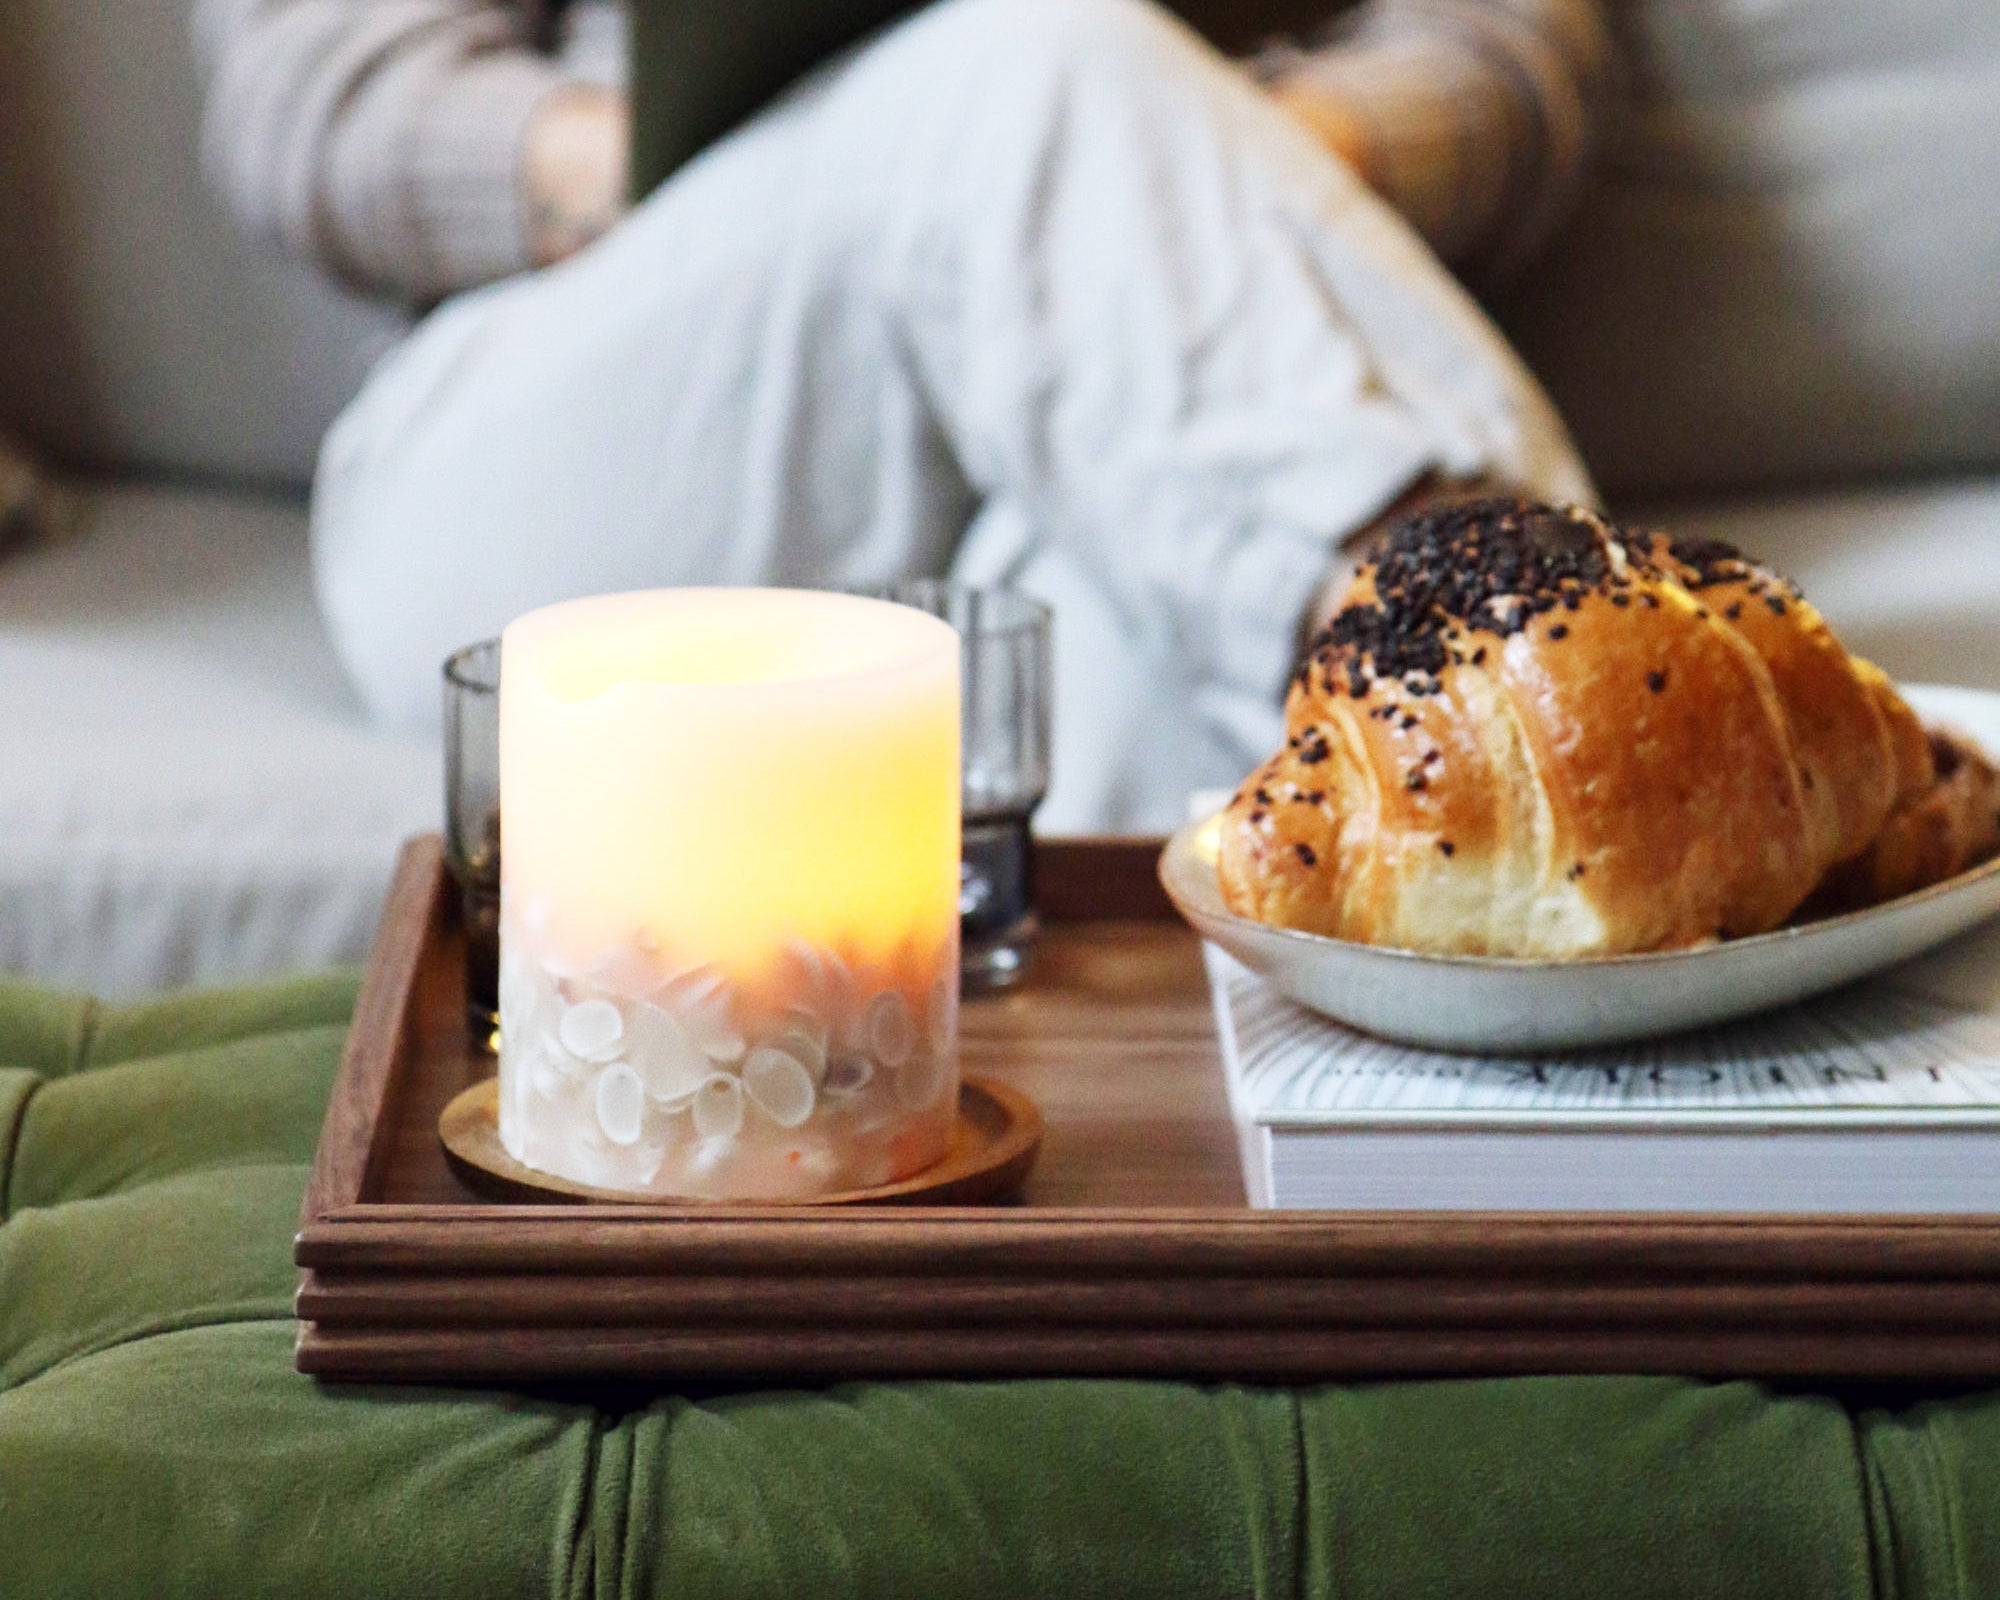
(155,1440)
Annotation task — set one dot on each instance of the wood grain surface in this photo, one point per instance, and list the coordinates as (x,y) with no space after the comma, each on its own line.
(1112,1036)
(1130,1250)
(348,1159)
(809,1352)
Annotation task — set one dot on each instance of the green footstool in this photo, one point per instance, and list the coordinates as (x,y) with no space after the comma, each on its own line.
(154,1439)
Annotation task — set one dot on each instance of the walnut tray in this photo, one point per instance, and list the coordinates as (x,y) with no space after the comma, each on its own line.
(1129,1250)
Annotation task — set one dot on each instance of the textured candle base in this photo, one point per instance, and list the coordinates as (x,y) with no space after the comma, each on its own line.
(632,1073)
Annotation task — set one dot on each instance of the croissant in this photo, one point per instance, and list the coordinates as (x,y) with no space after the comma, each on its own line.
(1931,836)
(1528,734)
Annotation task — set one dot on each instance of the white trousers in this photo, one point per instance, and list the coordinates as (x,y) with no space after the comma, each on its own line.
(1042,291)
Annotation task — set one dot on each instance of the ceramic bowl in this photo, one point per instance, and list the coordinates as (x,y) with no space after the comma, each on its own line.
(1490,1005)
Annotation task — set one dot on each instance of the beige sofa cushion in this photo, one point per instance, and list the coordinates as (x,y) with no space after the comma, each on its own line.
(1791,267)
(190,793)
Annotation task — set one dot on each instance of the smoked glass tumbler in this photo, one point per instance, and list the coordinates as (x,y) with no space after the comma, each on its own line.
(472,823)
(1005,666)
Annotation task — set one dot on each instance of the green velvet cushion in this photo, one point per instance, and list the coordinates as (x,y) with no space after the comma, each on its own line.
(155,1440)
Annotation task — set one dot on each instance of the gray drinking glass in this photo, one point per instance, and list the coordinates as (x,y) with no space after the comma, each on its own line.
(472,823)
(1005,666)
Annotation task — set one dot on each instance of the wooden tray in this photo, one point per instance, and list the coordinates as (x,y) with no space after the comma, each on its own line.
(1130,1251)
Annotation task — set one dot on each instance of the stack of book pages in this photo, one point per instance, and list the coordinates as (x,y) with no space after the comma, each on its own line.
(1883,1098)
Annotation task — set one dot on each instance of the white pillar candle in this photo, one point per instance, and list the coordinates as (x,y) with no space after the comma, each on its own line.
(729,892)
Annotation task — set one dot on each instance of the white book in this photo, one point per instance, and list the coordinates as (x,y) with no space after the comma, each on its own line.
(1881,1099)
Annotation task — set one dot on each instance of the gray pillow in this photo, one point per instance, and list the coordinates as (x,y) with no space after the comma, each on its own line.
(1789,270)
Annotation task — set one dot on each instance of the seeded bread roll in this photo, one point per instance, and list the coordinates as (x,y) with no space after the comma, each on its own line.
(1931,836)
(1529,734)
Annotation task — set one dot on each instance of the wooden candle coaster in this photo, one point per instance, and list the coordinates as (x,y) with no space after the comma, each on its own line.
(998,1134)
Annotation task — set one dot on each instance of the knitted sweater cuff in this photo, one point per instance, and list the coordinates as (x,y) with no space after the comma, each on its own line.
(467,199)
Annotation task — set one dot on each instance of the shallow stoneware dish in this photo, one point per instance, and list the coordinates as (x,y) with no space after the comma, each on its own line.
(1491,1006)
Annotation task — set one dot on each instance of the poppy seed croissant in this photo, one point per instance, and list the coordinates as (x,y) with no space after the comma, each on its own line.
(1526,733)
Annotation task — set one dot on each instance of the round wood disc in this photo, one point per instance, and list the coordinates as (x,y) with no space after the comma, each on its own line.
(998,1134)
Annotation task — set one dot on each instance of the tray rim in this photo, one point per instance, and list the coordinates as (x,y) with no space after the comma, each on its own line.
(1782,1267)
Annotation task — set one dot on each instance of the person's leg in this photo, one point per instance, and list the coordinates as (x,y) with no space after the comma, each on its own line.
(1180,351)
(1059,246)
(712,394)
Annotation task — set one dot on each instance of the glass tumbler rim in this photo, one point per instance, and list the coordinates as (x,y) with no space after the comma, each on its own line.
(466,668)
(1029,613)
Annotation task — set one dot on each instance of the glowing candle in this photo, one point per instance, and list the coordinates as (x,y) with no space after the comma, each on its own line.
(729,892)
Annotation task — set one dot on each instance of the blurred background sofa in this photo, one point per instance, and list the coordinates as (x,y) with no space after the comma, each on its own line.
(1777,320)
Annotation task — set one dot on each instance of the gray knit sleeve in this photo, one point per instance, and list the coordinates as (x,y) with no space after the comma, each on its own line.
(1481,116)
(379,138)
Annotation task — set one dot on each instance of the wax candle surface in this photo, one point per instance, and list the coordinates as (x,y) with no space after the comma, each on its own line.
(729,892)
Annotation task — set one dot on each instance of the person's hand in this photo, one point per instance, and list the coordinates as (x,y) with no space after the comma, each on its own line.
(574,169)
(1330,120)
